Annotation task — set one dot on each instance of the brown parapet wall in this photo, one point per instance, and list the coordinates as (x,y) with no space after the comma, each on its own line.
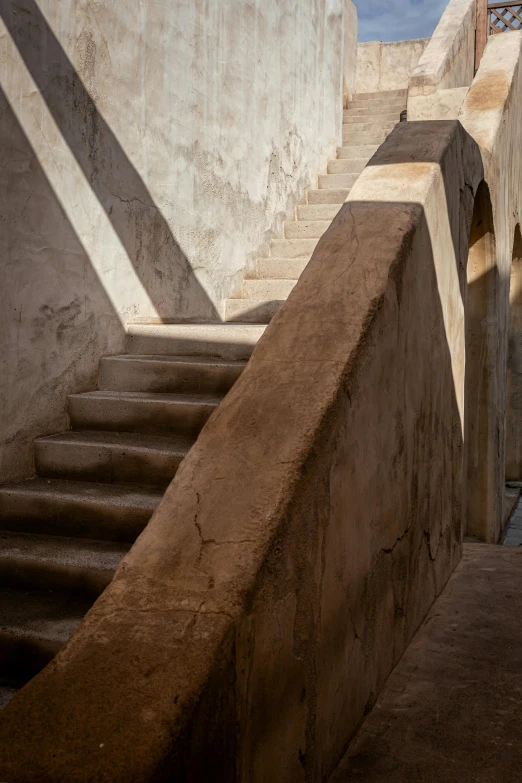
(309,530)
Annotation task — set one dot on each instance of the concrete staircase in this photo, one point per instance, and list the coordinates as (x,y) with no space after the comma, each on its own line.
(368,120)
(63,533)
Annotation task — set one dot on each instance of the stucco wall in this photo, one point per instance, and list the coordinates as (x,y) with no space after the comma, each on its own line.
(351,32)
(387,66)
(320,511)
(153,150)
(310,528)
(439,84)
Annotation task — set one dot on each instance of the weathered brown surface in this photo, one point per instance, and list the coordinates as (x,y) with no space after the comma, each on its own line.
(451,709)
(308,531)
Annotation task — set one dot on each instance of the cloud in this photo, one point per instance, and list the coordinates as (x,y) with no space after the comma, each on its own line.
(398,20)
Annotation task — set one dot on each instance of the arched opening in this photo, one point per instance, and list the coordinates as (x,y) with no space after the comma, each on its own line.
(484,485)
(514,367)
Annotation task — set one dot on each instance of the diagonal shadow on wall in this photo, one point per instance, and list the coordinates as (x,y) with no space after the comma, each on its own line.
(157,257)
(56,319)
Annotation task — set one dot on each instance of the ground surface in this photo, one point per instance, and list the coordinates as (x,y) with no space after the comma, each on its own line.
(451,709)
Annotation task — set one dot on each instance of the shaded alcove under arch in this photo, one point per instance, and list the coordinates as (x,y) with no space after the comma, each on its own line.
(514,366)
(481,433)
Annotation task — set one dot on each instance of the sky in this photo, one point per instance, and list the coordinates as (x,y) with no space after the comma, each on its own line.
(397,20)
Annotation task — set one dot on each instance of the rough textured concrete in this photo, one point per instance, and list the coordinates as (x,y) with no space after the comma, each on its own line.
(153,151)
(274,589)
(387,66)
(447,65)
(351,31)
(451,709)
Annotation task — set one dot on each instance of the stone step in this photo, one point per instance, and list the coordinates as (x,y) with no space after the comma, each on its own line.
(267,289)
(145,412)
(225,341)
(381,95)
(382,106)
(337,181)
(293,248)
(317,211)
(347,166)
(251,310)
(175,374)
(102,512)
(357,151)
(111,457)
(351,117)
(337,197)
(369,126)
(306,229)
(369,110)
(54,563)
(33,627)
(281,268)
(369,137)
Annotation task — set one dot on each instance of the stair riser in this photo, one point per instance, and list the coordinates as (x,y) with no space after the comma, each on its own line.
(353,166)
(379,106)
(100,463)
(267,289)
(40,575)
(22,658)
(293,248)
(288,268)
(368,127)
(357,151)
(64,517)
(135,415)
(337,181)
(359,137)
(328,196)
(306,229)
(350,118)
(251,311)
(224,342)
(380,95)
(317,212)
(158,376)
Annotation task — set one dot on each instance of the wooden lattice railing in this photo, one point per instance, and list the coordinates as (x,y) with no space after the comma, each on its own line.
(504,17)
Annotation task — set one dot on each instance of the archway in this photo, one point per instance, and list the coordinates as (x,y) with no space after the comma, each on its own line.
(484,485)
(514,367)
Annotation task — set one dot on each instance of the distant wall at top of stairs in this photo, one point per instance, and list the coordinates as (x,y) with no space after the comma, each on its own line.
(387,66)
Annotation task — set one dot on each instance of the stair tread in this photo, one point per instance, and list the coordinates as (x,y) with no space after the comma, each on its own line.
(40,614)
(177,360)
(59,550)
(187,399)
(85,491)
(126,440)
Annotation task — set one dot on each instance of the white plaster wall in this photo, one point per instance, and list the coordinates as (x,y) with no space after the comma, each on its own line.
(152,150)
(449,60)
(351,32)
(387,66)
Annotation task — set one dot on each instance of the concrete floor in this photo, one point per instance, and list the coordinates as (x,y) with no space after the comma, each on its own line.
(452,709)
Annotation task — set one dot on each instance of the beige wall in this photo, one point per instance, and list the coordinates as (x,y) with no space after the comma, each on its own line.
(312,525)
(387,66)
(153,150)
(439,84)
(351,31)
